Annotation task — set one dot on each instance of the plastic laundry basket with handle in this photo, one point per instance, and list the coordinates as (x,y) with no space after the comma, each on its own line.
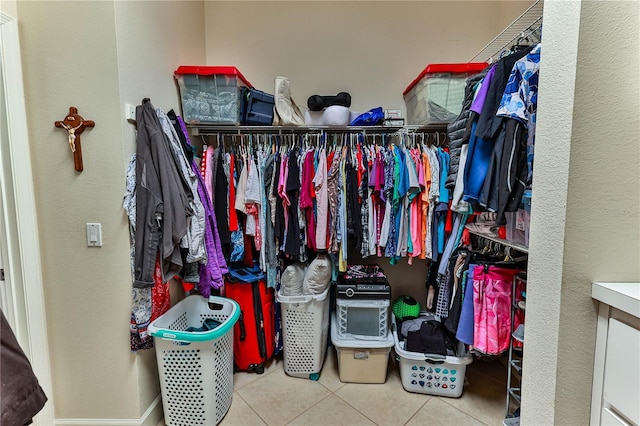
(194,351)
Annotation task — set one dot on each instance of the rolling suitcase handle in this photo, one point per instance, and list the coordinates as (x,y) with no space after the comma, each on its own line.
(243,332)
(257,306)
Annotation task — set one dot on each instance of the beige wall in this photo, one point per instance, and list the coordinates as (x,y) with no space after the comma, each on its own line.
(154,38)
(95,56)
(586,202)
(372,50)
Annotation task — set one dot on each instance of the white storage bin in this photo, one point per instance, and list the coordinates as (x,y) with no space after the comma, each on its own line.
(429,373)
(195,367)
(361,361)
(362,319)
(305,327)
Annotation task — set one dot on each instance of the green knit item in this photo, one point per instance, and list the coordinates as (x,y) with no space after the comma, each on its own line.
(405,307)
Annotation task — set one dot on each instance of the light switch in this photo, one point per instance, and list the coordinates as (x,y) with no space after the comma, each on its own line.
(94,234)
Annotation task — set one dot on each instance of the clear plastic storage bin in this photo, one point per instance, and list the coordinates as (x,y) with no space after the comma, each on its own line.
(195,367)
(362,319)
(361,361)
(437,94)
(305,326)
(211,95)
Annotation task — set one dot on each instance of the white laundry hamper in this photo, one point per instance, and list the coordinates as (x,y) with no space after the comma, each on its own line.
(195,367)
(305,327)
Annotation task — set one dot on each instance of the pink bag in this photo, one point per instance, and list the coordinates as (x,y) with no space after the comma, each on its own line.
(492,308)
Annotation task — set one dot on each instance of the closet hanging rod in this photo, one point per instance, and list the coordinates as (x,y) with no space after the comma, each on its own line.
(530,19)
(203,130)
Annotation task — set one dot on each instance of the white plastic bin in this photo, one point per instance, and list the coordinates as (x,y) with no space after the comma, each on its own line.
(429,373)
(305,326)
(362,319)
(195,367)
(361,361)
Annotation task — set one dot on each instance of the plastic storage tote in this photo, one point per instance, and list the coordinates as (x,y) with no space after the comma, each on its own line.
(518,222)
(196,367)
(429,373)
(257,108)
(362,319)
(437,94)
(305,327)
(361,361)
(211,95)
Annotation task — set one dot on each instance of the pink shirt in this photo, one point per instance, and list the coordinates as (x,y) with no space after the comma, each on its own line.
(322,199)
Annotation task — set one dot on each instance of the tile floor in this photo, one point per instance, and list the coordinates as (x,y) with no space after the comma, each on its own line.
(274,398)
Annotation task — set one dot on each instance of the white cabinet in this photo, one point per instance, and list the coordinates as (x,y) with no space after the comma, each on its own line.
(616,379)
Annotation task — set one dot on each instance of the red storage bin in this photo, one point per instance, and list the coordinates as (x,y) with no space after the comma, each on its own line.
(437,94)
(211,95)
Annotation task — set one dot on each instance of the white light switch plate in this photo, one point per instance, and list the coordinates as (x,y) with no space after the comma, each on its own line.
(94,234)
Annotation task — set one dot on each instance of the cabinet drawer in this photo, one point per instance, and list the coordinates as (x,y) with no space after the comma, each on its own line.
(622,371)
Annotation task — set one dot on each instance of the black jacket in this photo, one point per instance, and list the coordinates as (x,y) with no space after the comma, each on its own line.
(456,128)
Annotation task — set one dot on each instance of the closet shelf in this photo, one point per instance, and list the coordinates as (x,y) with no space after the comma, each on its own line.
(525,25)
(506,243)
(212,129)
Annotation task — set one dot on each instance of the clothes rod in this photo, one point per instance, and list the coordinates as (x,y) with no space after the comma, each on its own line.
(203,130)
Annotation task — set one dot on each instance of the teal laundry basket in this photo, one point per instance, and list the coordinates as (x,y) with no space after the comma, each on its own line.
(196,367)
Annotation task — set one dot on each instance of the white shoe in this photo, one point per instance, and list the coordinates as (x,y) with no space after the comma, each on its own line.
(518,334)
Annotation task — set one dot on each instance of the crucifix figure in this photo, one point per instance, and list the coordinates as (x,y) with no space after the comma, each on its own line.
(74,124)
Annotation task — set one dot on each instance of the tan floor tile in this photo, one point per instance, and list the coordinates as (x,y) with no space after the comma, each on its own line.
(330,376)
(384,404)
(278,398)
(241,378)
(240,414)
(483,398)
(331,411)
(437,412)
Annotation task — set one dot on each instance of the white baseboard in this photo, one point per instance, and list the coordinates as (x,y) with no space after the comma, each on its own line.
(151,417)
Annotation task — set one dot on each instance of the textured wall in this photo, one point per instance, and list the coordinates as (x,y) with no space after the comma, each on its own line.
(95,56)
(586,209)
(602,234)
(69,58)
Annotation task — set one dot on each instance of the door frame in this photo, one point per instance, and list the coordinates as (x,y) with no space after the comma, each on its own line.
(23,270)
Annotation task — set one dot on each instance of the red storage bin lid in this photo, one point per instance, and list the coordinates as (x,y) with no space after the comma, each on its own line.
(204,70)
(469,67)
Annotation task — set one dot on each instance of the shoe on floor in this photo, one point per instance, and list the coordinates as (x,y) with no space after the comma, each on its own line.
(511,421)
(518,334)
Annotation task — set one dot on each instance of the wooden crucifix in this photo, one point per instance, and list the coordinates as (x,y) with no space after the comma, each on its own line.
(74,124)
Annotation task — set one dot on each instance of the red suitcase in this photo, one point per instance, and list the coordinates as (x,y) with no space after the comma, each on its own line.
(254,332)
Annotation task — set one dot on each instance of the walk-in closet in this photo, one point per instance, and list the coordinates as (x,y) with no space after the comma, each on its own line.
(323,212)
